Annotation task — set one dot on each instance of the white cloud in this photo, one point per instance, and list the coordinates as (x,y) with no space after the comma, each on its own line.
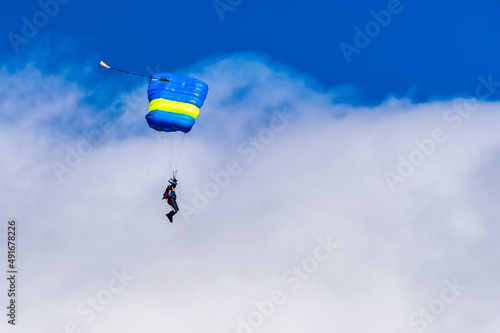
(321,174)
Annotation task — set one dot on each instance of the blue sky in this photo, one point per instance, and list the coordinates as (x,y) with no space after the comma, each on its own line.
(428,49)
(318,192)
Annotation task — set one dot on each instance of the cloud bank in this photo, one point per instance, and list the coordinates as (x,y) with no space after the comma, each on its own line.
(299,212)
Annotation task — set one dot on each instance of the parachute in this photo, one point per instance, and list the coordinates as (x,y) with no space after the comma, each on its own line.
(174,104)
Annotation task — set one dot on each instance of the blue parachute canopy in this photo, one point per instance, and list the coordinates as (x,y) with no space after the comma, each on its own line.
(174,102)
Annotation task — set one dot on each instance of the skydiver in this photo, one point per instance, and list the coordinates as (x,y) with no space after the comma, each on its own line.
(171,197)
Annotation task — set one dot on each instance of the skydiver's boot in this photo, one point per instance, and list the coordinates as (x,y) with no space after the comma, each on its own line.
(169,216)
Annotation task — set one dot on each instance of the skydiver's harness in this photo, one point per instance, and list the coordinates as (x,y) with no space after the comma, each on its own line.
(170,194)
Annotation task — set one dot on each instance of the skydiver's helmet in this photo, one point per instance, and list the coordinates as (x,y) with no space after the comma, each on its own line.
(173,181)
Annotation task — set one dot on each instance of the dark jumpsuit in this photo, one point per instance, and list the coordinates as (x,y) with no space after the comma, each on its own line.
(171,197)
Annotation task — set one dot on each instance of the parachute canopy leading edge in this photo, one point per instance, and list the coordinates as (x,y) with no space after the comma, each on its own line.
(174,102)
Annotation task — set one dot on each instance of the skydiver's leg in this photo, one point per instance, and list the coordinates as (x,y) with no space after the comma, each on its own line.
(172,204)
(175,208)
